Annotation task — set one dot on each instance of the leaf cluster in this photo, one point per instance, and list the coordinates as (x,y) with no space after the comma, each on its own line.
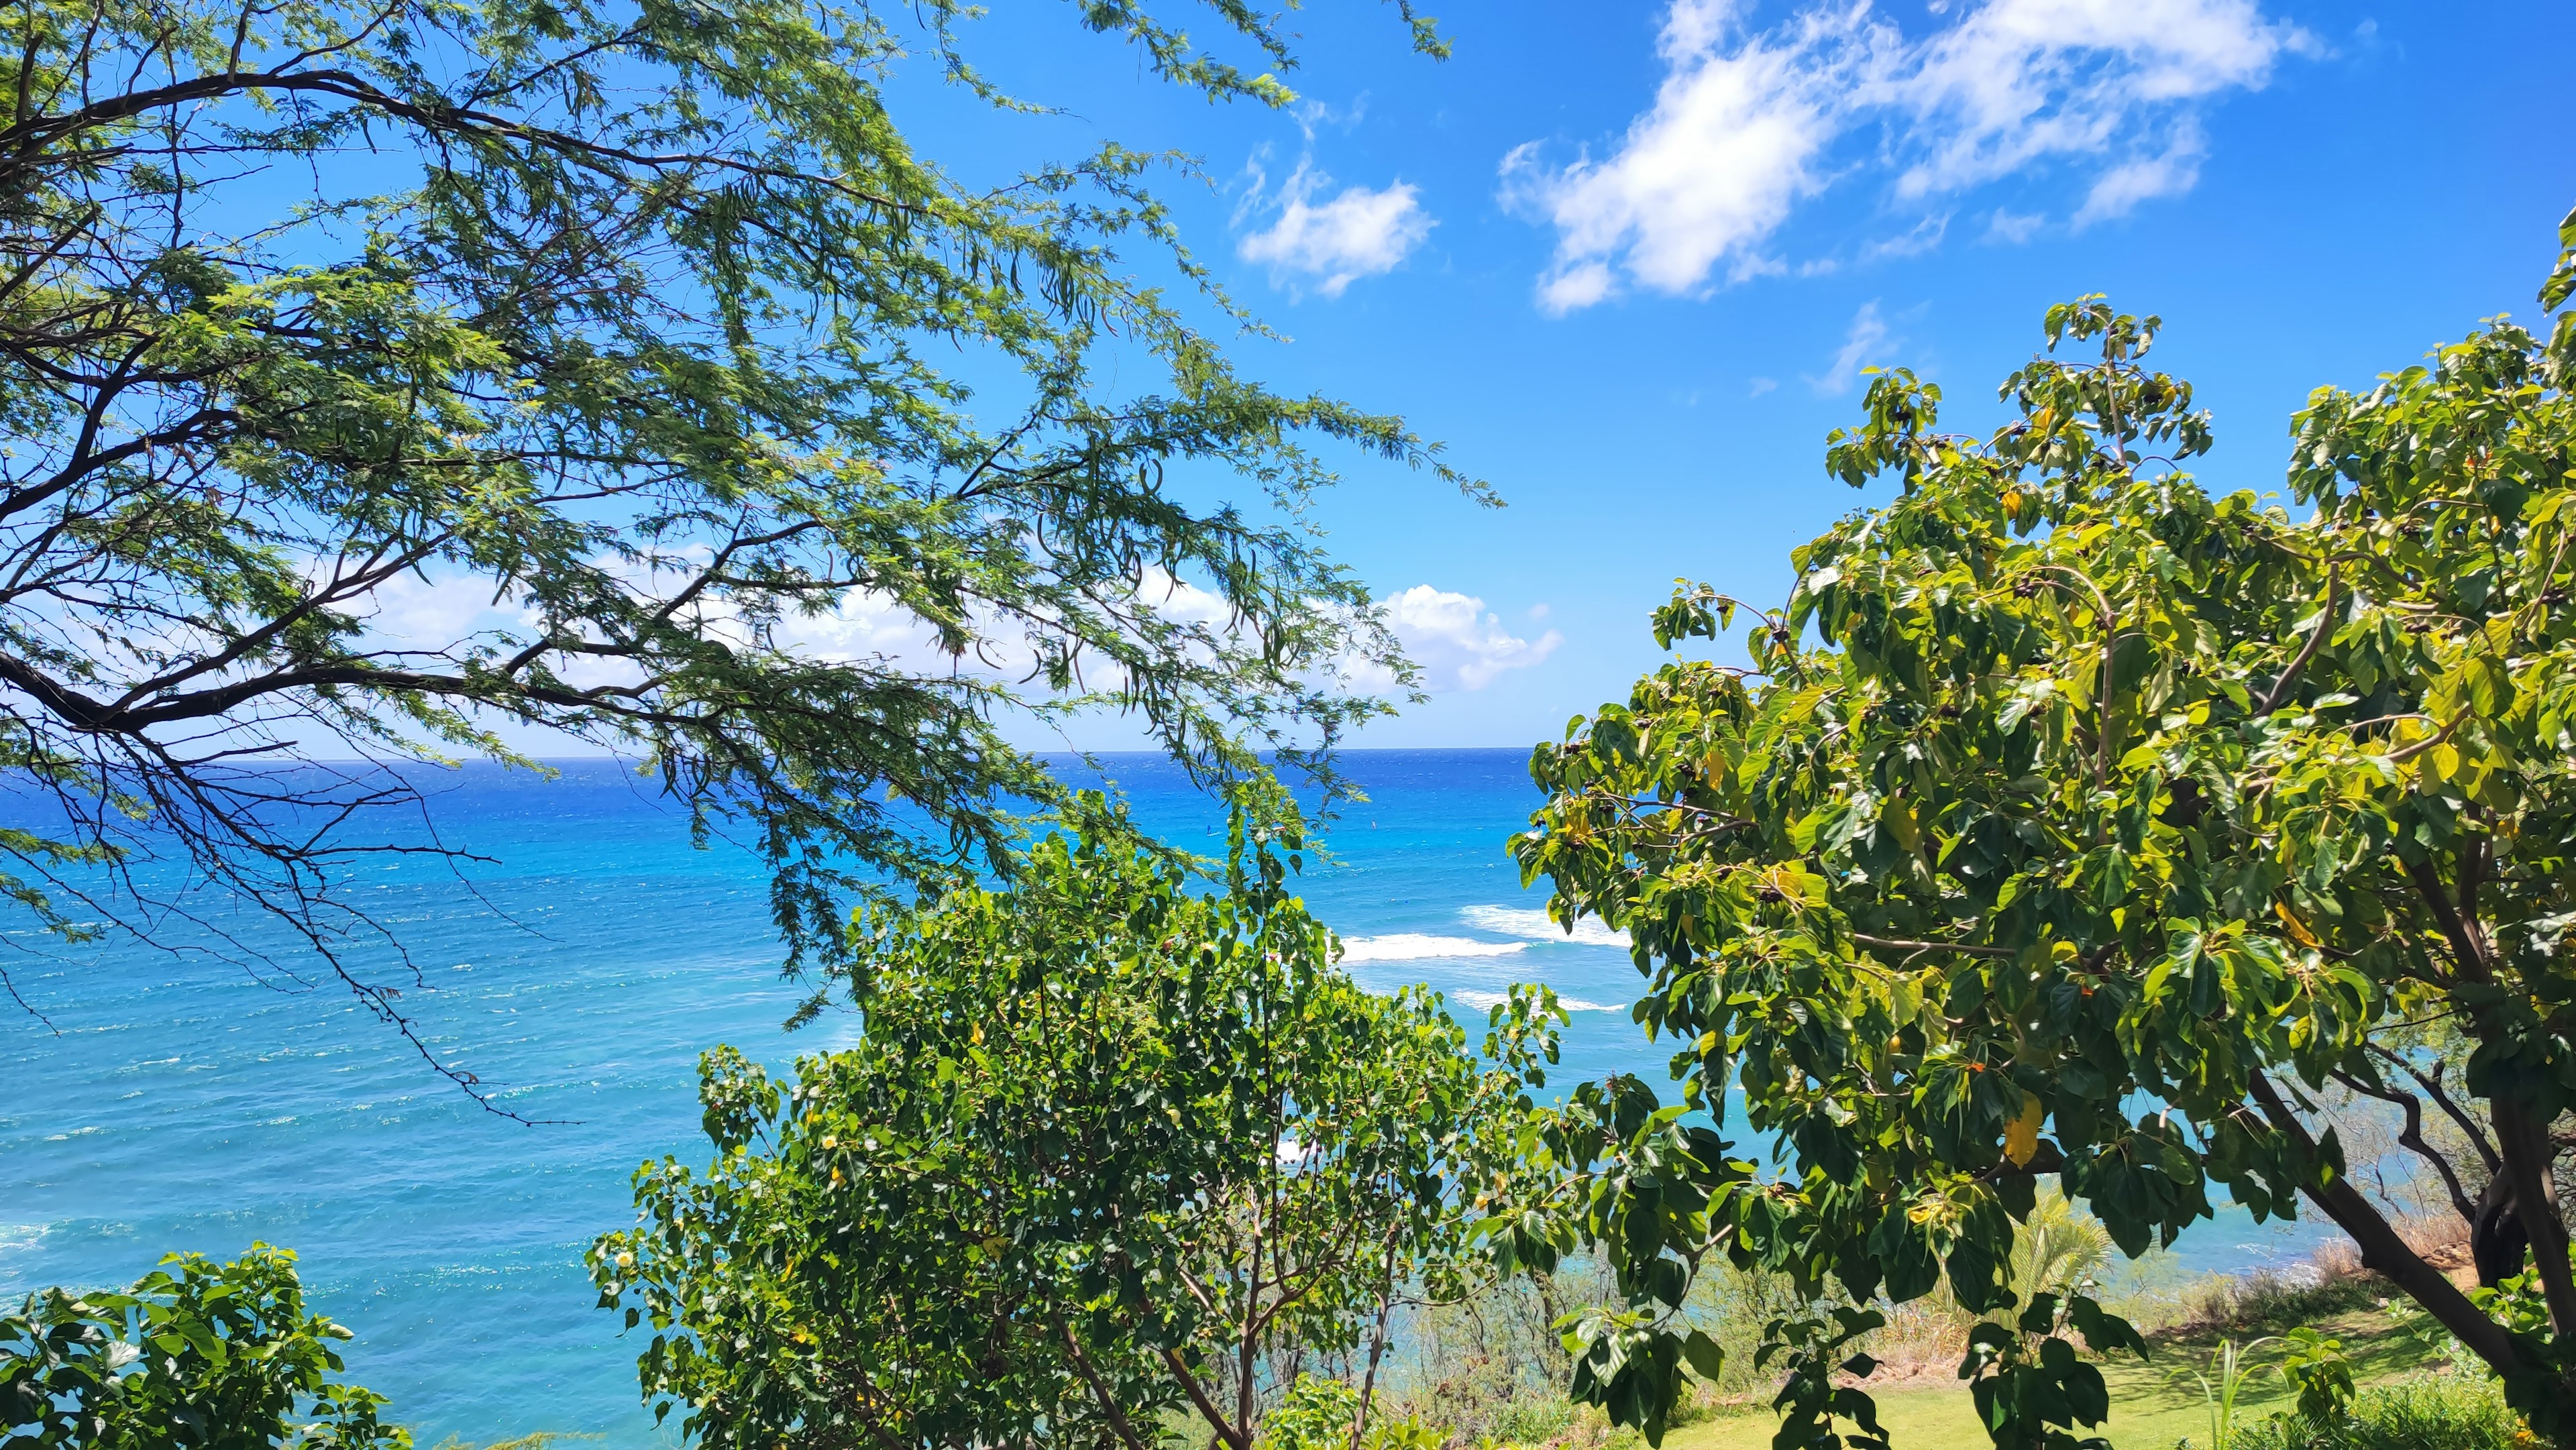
(199,1355)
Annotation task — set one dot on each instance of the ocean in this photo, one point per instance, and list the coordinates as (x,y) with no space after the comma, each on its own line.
(176,1102)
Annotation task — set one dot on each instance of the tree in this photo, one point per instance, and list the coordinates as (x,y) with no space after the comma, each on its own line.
(618,334)
(1107,1152)
(2099,827)
(198,1356)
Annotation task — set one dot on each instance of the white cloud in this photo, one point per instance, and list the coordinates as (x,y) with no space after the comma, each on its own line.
(2009,226)
(1861,347)
(1359,233)
(861,627)
(1926,235)
(1459,644)
(413,611)
(1737,135)
(1748,123)
(2119,190)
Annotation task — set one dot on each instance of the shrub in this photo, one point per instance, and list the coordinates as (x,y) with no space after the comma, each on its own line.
(1107,1149)
(2419,1412)
(1318,1414)
(198,1354)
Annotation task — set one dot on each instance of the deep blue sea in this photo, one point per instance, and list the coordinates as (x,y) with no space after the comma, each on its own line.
(180,1103)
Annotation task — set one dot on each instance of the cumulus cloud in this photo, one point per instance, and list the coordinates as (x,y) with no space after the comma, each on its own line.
(1459,644)
(1358,233)
(1747,123)
(1737,135)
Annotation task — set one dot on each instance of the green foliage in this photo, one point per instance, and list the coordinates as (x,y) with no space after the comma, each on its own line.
(1318,1413)
(1490,1368)
(2221,1381)
(1108,1149)
(197,1356)
(2310,1363)
(2315,1366)
(2420,1412)
(646,327)
(2059,784)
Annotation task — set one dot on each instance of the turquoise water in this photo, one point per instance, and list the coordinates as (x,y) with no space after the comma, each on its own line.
(180,1103)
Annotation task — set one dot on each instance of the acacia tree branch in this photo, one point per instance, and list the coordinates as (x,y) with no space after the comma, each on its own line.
(31,134)
(374,571)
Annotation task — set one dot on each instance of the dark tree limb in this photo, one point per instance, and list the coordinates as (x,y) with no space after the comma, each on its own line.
(2281,687)
(2382,1250)
(2412,1137)
(1100,1391)
(2528,1154)
(1208,1409)
(2432,1084)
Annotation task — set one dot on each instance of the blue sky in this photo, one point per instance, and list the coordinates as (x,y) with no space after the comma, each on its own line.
(1627,259)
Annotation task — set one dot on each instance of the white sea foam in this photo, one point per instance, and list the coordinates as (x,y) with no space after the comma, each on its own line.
(1487,1001)
(1413,946)
(21,1238)
(1532,922)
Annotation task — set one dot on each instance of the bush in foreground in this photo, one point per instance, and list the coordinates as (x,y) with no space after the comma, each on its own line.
(198,1354)
(2419,1412)
(1108,1152)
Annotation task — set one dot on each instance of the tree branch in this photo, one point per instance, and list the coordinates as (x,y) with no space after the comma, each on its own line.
(1899,944)
(2280,690)
(2528,1154)
(2381,1248)
(1100,1391)
(2413,1137)
(2432,1085)
(1207,1407)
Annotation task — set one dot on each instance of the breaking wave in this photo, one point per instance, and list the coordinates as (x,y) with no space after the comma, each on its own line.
(1413,946)
(1531,922)
(1487,1001)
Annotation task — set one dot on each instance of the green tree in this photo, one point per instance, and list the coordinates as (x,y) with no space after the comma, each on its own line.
(1108,1151)
(647,327)
(2071,819)
(198,1356)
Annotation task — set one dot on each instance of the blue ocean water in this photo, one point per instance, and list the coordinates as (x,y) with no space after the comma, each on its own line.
(180,1103)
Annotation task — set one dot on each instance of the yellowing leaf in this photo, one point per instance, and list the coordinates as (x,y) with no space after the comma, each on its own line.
(1899,820)
(2298,929)
(2021,1136)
